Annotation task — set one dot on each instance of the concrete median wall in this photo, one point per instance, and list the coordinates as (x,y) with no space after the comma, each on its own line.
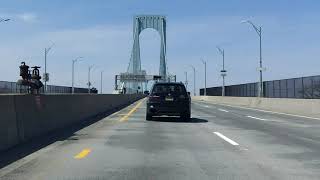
(26,116)
(8,122)
(304,107)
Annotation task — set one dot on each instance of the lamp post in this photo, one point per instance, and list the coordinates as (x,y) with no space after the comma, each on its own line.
(101,73)
(73,62)
(46,76)
(205,77)
(89,83)
(194,80)
(186,81)
(259,32)
(223,71)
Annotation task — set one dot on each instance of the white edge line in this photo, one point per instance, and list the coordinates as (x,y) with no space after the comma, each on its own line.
(226,139)
(272,112)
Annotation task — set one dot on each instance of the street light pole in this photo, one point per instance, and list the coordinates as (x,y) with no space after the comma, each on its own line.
(101,82)
(46,51)
(194,80)
(261,68)
(73,62)
(89,83)
(223,71)
(259,32)
(186,81)
(205,77)
(45,70)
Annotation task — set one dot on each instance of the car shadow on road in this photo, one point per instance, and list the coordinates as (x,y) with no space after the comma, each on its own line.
(178,120)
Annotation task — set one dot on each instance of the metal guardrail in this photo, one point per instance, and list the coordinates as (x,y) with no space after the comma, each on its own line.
(303,88)
(13,88)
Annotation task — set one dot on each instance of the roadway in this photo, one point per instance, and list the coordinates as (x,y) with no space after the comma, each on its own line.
(220,142)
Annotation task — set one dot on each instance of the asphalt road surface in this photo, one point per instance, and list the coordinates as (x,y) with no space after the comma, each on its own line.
(220,142)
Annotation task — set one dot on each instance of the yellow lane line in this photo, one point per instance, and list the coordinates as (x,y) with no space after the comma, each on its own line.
(121,114)
(125,118)
(82,154)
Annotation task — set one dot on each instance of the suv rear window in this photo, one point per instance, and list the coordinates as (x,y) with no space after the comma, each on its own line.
(164,89)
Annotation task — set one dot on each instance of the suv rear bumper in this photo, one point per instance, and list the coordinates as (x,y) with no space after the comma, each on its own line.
(155,109)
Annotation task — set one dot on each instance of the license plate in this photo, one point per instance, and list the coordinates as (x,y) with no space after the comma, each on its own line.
(169,99)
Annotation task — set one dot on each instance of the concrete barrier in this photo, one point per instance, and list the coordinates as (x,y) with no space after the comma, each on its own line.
(24,117)
(8,123)
(304,107)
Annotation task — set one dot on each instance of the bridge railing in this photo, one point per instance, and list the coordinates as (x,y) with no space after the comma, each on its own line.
(7,87)
(302,87)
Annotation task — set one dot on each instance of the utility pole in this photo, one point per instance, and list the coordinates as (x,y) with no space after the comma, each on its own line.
(73,62)
(101,82)
(259,32)
(205,77)
(223,71)
(89,83)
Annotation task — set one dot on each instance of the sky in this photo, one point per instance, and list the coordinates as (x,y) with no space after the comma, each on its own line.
(100,31)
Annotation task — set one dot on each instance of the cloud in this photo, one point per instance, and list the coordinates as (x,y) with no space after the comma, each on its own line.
(28,17)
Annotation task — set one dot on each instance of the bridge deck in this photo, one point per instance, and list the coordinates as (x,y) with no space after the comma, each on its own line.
(219,143)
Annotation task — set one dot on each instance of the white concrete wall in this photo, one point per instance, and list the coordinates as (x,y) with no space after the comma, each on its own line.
(305,107)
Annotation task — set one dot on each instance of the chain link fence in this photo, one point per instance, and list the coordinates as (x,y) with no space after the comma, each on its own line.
(13,88)
(303,88)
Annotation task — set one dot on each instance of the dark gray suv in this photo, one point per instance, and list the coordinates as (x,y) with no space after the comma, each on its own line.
(168,98)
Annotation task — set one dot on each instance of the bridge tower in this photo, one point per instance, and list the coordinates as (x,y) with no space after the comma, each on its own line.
(142,22)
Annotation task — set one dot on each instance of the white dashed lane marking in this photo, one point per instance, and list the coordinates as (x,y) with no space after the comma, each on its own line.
(261,119)
(223,110)
(226,138)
